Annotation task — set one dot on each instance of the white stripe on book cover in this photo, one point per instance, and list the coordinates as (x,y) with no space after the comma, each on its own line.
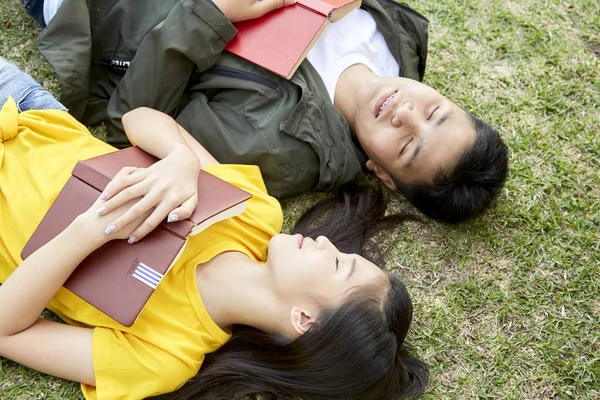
(147,275)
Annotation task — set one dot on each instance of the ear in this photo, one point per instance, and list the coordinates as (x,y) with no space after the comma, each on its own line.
(381,174)
(301,320)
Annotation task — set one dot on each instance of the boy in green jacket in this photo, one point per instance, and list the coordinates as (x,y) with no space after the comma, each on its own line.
(355,104)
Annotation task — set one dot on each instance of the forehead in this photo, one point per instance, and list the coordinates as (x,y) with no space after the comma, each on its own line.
(366,270)
(367,275)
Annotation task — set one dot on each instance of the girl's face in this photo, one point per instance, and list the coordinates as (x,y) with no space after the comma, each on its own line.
(315,272)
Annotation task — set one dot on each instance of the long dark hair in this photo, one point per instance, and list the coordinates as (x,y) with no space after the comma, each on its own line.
(356,351)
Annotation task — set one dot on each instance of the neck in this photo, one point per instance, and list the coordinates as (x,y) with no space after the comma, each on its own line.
(236,290)
(346,91)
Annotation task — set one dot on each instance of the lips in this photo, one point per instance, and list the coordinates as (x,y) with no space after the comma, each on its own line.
(300,239)
(383,102)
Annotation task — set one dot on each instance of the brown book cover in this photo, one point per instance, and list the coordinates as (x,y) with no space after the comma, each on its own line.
(280,40)
(119,277)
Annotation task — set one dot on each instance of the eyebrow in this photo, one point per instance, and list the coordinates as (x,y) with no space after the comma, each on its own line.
(415,153)
(352,268)
(418,147)
(442,119)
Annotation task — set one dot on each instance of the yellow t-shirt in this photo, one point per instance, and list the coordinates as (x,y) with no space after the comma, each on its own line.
(166,345)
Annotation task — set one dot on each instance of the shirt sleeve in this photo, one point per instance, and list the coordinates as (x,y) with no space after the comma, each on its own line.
(127,367)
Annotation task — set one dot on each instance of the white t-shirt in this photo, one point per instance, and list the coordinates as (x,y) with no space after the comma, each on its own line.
(50,9)
(354,39)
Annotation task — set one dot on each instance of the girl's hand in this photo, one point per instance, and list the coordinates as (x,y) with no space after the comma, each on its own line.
(242,10)
(96,228)
(170,187)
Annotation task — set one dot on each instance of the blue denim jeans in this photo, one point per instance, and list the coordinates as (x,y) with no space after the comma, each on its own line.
(35,8)
(24,90)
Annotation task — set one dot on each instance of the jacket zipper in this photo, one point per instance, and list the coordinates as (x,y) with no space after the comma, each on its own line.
(241,74)
(216,69)
(117,65)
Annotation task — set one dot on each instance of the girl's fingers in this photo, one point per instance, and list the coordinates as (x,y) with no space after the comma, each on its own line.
(124,196)
(157,216)
(185,210)
(126,177)
(136,211)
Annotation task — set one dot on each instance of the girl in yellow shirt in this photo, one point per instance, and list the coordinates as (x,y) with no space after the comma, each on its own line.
(244,310)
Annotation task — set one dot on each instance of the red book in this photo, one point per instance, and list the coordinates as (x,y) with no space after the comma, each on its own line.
(280,40)
(119,278)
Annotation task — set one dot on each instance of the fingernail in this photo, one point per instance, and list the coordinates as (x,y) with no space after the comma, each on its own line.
(104,196)
(131,240)
(110,229)
(172,218)
(100,210)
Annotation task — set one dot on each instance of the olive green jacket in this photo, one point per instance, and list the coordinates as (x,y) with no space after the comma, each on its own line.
(112,56)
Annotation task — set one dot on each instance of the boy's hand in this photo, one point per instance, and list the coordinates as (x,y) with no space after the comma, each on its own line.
(242,10)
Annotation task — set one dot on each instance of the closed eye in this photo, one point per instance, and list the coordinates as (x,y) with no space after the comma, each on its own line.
(405,146)
(433,112)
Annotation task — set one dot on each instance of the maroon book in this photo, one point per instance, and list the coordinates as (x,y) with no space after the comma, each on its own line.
(119,278)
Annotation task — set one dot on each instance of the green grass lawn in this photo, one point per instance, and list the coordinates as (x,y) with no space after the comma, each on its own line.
(507,306)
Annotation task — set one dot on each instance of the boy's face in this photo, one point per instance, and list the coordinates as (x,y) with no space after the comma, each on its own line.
(409,130)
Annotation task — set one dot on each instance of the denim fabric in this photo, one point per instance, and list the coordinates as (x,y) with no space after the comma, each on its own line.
(24,90)
(35,8)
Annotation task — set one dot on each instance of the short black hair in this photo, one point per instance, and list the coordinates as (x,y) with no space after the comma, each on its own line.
(470,187)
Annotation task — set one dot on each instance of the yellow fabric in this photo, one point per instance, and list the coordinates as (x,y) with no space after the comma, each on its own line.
(166,345)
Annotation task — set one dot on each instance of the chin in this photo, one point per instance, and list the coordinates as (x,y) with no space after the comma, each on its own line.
(367,92)
(281,242)
(275,239)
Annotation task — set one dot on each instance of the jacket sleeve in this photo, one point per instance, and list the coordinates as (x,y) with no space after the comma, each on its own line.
(194,34)
(66,44)
(232,139)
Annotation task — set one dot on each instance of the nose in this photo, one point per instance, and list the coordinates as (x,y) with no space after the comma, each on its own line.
(405,115)
(321,242)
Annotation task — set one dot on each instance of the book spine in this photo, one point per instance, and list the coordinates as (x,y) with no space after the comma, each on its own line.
(180,228)
(317,5)
(91,176)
